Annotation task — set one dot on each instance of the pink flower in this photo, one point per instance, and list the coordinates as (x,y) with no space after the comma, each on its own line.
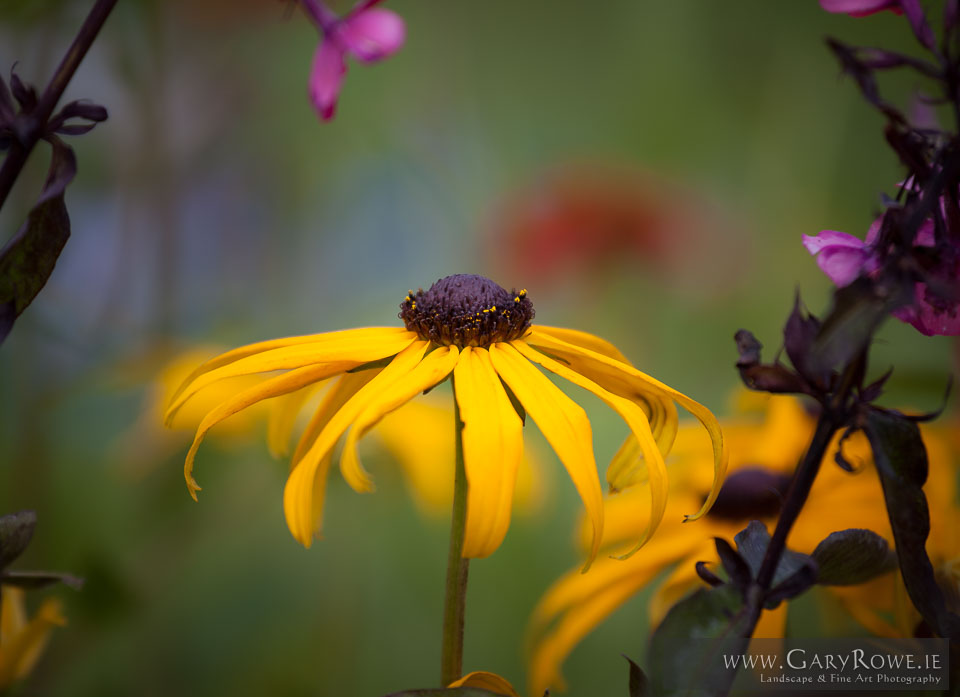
(860,8)
(843,258)
(367,33)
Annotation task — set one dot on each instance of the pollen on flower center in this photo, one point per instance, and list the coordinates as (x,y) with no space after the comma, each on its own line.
(467,310)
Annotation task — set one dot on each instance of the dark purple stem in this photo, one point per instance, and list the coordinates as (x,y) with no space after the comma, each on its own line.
(31,125)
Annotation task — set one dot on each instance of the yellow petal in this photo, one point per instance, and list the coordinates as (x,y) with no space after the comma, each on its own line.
(563,423)
(625,380)
(298,494)
(427,373)
(279,385)
(486,681)
(639,427)
(554,648)
(283,418)
(583,340)
(340,351)
(22,650)
(419,436)
(346,386)
(577,602)
(492,451)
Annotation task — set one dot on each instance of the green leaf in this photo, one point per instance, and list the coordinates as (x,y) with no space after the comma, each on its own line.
(31,580)
(901,460)
(27,260)
(853,556)
(16,530)
(685,652)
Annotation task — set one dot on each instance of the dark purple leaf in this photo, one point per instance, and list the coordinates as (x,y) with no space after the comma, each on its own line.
(706,575)
(901,460)
(7,108)
(737,569)
(918,22)
(863,75)
(762,377)
(94,113)
(16,529)
(25,95)
(840,458)
(31,580)
(793,585)
(27,260)
(639,685)
(854,556)
(873,391)
(799,334)
(752,544)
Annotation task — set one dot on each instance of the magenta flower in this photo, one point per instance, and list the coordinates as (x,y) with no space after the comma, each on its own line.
(367,33)
(843,258)
(860,8)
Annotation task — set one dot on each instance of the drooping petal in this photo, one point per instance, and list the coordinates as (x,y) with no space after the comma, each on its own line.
(273,387)
(492,451)
(339,351)
(625,380)
(283,418)
(843,265)
(639,427)
(660,410)
(483,680)
(427,373)
(582,339)
(563,423)
(326,77)
(298,493)
(262,346)
(373,34)
(346,386)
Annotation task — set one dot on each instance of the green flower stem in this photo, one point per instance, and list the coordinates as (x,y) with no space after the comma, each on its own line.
(455,597)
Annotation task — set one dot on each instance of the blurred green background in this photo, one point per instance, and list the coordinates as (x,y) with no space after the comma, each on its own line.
(213,206)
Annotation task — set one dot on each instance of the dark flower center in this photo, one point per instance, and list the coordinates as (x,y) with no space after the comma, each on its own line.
(749,494)
(467,310)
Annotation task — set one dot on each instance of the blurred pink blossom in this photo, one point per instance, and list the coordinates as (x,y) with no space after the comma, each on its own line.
(860,8)
(843,258)
(367,33)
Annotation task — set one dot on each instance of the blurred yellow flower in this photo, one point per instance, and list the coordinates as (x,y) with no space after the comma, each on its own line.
(468,328)
(762,456)
(146,443)
(21,640)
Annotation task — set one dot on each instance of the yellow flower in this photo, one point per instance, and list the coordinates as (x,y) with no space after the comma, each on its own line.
(425,460)
(762,456)
(22,640)
(470,328)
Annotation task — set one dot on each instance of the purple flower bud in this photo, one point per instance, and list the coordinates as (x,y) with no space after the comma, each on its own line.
(367,33)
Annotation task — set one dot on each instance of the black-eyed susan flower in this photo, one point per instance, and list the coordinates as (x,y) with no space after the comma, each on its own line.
(468,328)
(763,455)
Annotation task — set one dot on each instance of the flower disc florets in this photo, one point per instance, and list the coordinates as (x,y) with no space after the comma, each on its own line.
(467,310)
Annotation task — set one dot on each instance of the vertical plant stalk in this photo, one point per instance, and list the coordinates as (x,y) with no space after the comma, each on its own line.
(30,126)
(455,597)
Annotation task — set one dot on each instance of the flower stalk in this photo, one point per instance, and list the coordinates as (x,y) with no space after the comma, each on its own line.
(455,595)
(30,126)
